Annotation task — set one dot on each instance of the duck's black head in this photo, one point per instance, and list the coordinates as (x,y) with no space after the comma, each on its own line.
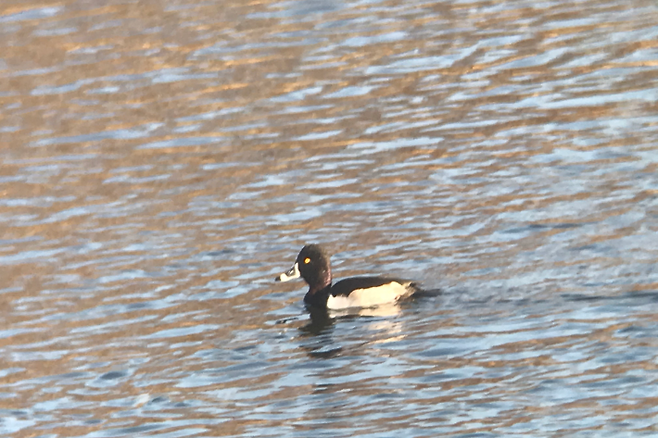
(312,265)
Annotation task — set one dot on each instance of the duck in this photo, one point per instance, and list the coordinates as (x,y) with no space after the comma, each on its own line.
(313,265)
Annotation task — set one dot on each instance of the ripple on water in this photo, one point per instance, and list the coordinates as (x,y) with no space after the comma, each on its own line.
(161,167)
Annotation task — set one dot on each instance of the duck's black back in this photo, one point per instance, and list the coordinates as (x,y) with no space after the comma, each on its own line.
(345,287)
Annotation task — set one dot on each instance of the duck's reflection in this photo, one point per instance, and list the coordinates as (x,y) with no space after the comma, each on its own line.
(381,322)
(320,322)
(319,329)
(318,332)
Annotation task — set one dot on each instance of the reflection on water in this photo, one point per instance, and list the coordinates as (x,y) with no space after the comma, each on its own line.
(162,160)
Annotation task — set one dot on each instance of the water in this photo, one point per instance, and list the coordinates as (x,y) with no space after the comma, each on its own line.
(163,161)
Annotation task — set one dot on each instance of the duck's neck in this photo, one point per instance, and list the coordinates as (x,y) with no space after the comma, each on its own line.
(318,295)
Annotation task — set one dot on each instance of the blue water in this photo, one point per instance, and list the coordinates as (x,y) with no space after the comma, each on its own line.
(163,161)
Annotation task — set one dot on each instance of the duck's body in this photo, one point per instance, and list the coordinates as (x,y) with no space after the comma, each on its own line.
(313,266)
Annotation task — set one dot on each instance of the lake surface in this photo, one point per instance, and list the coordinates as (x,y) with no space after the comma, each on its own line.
(163,160)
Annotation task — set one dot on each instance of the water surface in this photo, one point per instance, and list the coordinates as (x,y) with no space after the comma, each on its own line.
(162,161)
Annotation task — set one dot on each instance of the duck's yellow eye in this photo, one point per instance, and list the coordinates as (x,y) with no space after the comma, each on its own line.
(307,261)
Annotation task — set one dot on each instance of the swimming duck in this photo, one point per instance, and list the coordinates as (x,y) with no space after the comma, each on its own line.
(313,265)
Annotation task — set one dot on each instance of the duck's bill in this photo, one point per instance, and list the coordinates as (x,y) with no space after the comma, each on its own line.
(291,274)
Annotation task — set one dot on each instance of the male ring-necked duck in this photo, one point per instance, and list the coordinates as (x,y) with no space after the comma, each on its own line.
(313,265)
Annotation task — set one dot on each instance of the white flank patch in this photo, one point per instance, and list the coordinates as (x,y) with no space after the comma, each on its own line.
(370,297)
